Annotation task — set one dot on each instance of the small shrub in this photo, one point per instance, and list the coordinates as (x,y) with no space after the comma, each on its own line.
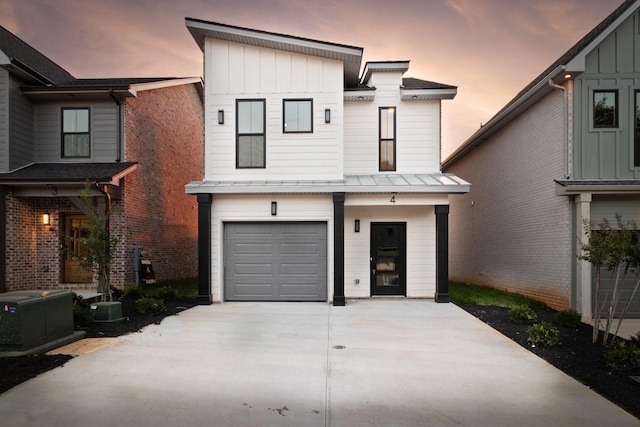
(622,355)
(81,316)
(636,338)
(167,293)
(133,292)
(522,314)
(543,334)
(150,306)
(568,317)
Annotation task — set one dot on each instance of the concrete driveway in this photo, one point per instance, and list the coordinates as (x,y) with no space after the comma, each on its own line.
(389,362)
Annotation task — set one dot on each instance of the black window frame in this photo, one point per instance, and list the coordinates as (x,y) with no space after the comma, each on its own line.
(284,114)
(64,133)
(616,110)
(393,140)
(263,133)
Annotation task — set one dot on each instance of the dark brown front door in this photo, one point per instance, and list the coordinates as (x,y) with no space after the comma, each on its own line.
(388,258)
(76,227)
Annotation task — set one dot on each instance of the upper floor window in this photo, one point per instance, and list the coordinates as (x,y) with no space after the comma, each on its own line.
(251,140)
(298,116)
(387,138)
(605,108)
(76,139)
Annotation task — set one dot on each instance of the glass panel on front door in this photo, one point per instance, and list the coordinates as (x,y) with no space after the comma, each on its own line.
(388,259)
(76,227)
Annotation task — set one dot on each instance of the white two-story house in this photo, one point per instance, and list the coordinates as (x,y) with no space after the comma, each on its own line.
(320,183)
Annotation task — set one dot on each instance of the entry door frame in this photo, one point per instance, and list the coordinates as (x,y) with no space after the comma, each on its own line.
(400,268)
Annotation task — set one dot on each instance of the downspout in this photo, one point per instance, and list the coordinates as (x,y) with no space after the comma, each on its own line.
(119,147)
(565,130)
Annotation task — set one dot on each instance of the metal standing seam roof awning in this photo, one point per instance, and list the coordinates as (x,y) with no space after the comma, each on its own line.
(359,184)
(60,179)
(614,186)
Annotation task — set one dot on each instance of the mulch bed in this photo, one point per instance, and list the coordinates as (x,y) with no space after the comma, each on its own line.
(576,356)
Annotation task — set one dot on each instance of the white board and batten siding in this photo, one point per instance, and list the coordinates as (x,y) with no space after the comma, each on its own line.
(103,123)
(237,71)
(417,131)
(257,209)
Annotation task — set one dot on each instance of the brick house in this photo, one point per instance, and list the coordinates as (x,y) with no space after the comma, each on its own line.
(566,149)
(136,140)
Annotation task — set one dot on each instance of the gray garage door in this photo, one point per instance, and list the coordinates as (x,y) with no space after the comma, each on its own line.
(606,292)
(280,261)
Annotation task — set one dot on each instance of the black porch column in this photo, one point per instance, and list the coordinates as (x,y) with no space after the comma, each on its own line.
(204,249)
(338,251)
(442,253)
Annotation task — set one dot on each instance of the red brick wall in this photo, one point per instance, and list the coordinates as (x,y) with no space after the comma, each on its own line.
(164,134)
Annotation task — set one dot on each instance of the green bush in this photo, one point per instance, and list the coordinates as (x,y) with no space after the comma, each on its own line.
(133,292)
(568,317)
(522,314)
(150,306)
(167,293)
(81,316)
(622,355)
(543,334)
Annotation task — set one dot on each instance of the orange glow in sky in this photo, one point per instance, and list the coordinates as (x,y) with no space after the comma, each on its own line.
(490,49)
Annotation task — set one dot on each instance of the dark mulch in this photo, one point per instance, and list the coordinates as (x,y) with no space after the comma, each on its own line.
(577,356)
(15,370)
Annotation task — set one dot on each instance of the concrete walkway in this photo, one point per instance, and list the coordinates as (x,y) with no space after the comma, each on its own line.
(371,363)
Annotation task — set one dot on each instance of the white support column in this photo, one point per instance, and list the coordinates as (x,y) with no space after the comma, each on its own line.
(583,297)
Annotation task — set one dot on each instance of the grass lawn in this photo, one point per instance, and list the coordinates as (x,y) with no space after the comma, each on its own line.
(183,288)
(462,293)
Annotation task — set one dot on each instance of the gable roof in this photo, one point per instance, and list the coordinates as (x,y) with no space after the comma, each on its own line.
(18,55)
(351,56)
(571,62)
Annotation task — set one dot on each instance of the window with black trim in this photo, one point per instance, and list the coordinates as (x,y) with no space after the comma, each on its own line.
(387,138)
(76,138)
(605,108)
(251,140)
(298,116)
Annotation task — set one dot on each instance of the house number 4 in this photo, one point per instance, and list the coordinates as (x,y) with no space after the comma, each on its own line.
(393,199)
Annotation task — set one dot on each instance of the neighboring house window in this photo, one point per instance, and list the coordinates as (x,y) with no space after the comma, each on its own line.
(605,108)
(298,116)
(76,140)
(387,138)
(251,140)
(636,139)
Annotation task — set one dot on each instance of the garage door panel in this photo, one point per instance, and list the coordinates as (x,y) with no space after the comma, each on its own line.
(626,290)
(275,261)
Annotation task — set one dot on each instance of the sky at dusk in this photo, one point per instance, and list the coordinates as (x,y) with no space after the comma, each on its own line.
(490,49)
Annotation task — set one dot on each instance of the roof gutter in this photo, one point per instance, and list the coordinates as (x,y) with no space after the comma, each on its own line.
(503,117)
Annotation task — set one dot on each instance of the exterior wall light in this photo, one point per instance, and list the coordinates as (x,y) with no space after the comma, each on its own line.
(220,117)
(274,208)
(357,226)
(46,219)
(327,115)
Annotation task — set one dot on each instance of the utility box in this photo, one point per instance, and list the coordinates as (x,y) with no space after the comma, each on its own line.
(32,318)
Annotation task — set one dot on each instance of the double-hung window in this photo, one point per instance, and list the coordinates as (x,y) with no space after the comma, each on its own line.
(605,108)
(298,116)
(76,138)
(387,138)
(251,140)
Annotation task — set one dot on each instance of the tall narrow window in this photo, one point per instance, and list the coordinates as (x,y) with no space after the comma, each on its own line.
(636,138)
(76,140)
(298,116)
(387,138)
(251,141)
(605,108)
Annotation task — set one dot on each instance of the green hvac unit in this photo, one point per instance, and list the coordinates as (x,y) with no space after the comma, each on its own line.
(32,318)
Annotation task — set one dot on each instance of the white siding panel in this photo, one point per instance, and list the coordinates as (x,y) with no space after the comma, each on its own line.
(251,64)
(283,72)
(420,220)
(218,70)
(258,208)
(237,73)
(299,74)
(267,71)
